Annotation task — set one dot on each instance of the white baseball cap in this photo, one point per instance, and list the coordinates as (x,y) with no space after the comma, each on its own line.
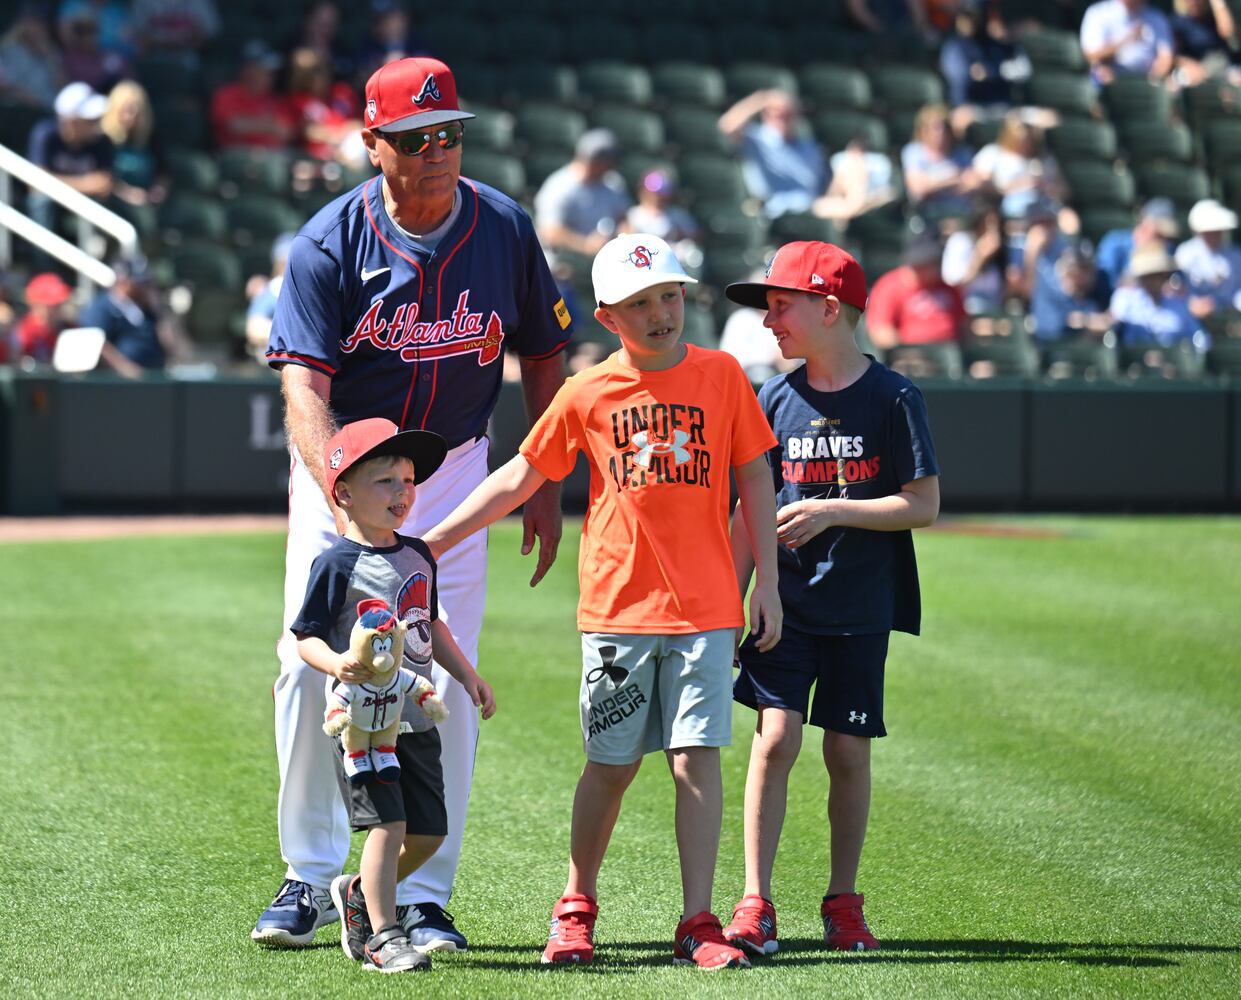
(79,100)
(631,263)
(1209,216)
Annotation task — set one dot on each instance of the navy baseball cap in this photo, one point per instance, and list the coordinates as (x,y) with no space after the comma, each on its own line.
(376,436)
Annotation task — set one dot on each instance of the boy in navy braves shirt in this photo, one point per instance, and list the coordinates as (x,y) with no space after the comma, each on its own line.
(371,472)
(854,471)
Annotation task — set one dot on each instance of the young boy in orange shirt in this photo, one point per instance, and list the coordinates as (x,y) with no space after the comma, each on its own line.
(661,423)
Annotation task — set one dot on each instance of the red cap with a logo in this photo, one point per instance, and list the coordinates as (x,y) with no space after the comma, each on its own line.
(411,93)
(818,268)
(376,436)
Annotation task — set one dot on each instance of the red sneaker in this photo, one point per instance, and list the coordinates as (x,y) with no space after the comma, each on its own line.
(754,925)
(700,941)
(844,927)
(572,932)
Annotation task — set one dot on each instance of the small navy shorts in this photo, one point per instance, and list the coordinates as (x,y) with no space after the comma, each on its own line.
(846,672)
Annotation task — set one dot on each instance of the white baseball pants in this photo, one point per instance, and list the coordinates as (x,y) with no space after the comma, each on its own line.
(313,825)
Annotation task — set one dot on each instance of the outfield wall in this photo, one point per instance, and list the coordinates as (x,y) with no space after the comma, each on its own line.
(101,443)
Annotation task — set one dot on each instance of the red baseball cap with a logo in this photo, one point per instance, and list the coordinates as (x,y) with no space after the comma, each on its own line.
(376,436)
(808,266)
(411,93)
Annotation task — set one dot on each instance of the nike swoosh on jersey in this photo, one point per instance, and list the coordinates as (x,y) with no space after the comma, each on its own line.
(367,275)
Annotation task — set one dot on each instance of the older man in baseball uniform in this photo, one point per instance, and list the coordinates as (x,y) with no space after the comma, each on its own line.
(399,300)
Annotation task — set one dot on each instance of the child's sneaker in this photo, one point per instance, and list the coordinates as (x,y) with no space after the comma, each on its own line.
(390,951)
(358,767)
(700,941)
(387,767)
(355,925)
(844,927)
(753,925)
(572,932)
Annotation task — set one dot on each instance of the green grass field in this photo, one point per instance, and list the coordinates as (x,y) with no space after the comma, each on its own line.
(1057,811)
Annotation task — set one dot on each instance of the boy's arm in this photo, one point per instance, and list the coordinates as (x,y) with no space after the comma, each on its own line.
(915,506)
(504,490)
(343,666)
(758,511)
(449,656)
(743,554)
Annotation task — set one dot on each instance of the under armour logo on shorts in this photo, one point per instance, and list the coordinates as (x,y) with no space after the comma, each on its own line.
(858,717)
(608,668)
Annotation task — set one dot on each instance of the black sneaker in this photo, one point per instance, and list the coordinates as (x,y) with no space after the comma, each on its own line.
(430,927)
(390,951)
(355,925)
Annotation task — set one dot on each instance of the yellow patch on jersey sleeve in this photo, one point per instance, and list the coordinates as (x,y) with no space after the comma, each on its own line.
(562,314)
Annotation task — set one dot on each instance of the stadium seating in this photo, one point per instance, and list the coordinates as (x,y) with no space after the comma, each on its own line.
(688,83)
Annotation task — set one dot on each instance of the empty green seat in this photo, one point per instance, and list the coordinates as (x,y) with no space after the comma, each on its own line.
(1093,183)
(499,170)
(926,360)
(1179,182)
(1082,138)
(695,130)
(1054,49)
(547,126)
(1146,142)
(1212,100)
(587,37)
(1134,98)
(1000,357)
(1100,219)
(252,170)
(194,170)
(733,229)
(491,129)
(794,226)
(833,88)
(746,39)
(1156,361)
(906,87)
(514,39)
(613,81)
(206,265)
(636,130)
(528,80)
(1081,357)
(1068,93)
(835,129)
(258,219)
(688,83)
(217,316)
(1222,140)
(1224,359)
(713,177)
(190,216)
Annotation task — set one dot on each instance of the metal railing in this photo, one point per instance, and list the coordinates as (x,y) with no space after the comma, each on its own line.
(90,214)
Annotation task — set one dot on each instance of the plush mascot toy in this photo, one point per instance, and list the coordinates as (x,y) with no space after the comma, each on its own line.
(367,716)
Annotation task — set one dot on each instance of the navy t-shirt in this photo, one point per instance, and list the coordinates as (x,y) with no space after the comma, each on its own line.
(49,150)
(874,433)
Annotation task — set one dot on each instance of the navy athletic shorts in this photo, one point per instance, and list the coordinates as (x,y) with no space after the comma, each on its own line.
(846,672)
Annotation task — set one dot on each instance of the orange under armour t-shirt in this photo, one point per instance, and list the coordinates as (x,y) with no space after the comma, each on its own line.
(655,554)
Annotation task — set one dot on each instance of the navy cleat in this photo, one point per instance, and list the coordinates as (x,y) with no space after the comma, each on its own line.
(430,928)
(294,916)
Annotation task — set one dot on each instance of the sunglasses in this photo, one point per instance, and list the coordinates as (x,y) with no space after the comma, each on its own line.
(418,141)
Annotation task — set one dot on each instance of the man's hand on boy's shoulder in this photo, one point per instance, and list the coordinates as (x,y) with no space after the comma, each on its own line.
(797,523)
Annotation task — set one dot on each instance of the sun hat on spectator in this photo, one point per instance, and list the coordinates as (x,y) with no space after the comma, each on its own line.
(79,100)
(1150,259)
(1209,216)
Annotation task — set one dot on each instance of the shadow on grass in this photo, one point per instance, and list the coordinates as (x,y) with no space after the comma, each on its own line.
(631,956)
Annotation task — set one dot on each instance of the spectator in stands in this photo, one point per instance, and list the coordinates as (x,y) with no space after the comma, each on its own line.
(137,163)
(320,31)
(973,262)
(71,148)
(47,297)
(327,112)
(112,19)
(1127,36)
(1210,264)
(1018,170)
(84,58)
(581,205)
(31,70)
(1151,310)
(142,334)
(783,169)
(1031,238)
(913,304)
(979,62)
(1066,302)
(183,27)
(1156,223)
(861,181)
(887,17)
(391,37)
(249,112)
(1205,33)
(752,344)
(263,291)
(657,212)
(939,175)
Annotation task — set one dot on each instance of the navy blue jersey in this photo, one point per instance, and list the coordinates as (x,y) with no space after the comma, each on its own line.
(871,437)
(403,575)
(409,335)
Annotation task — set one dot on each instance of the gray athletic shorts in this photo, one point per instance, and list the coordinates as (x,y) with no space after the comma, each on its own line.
(642,693)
